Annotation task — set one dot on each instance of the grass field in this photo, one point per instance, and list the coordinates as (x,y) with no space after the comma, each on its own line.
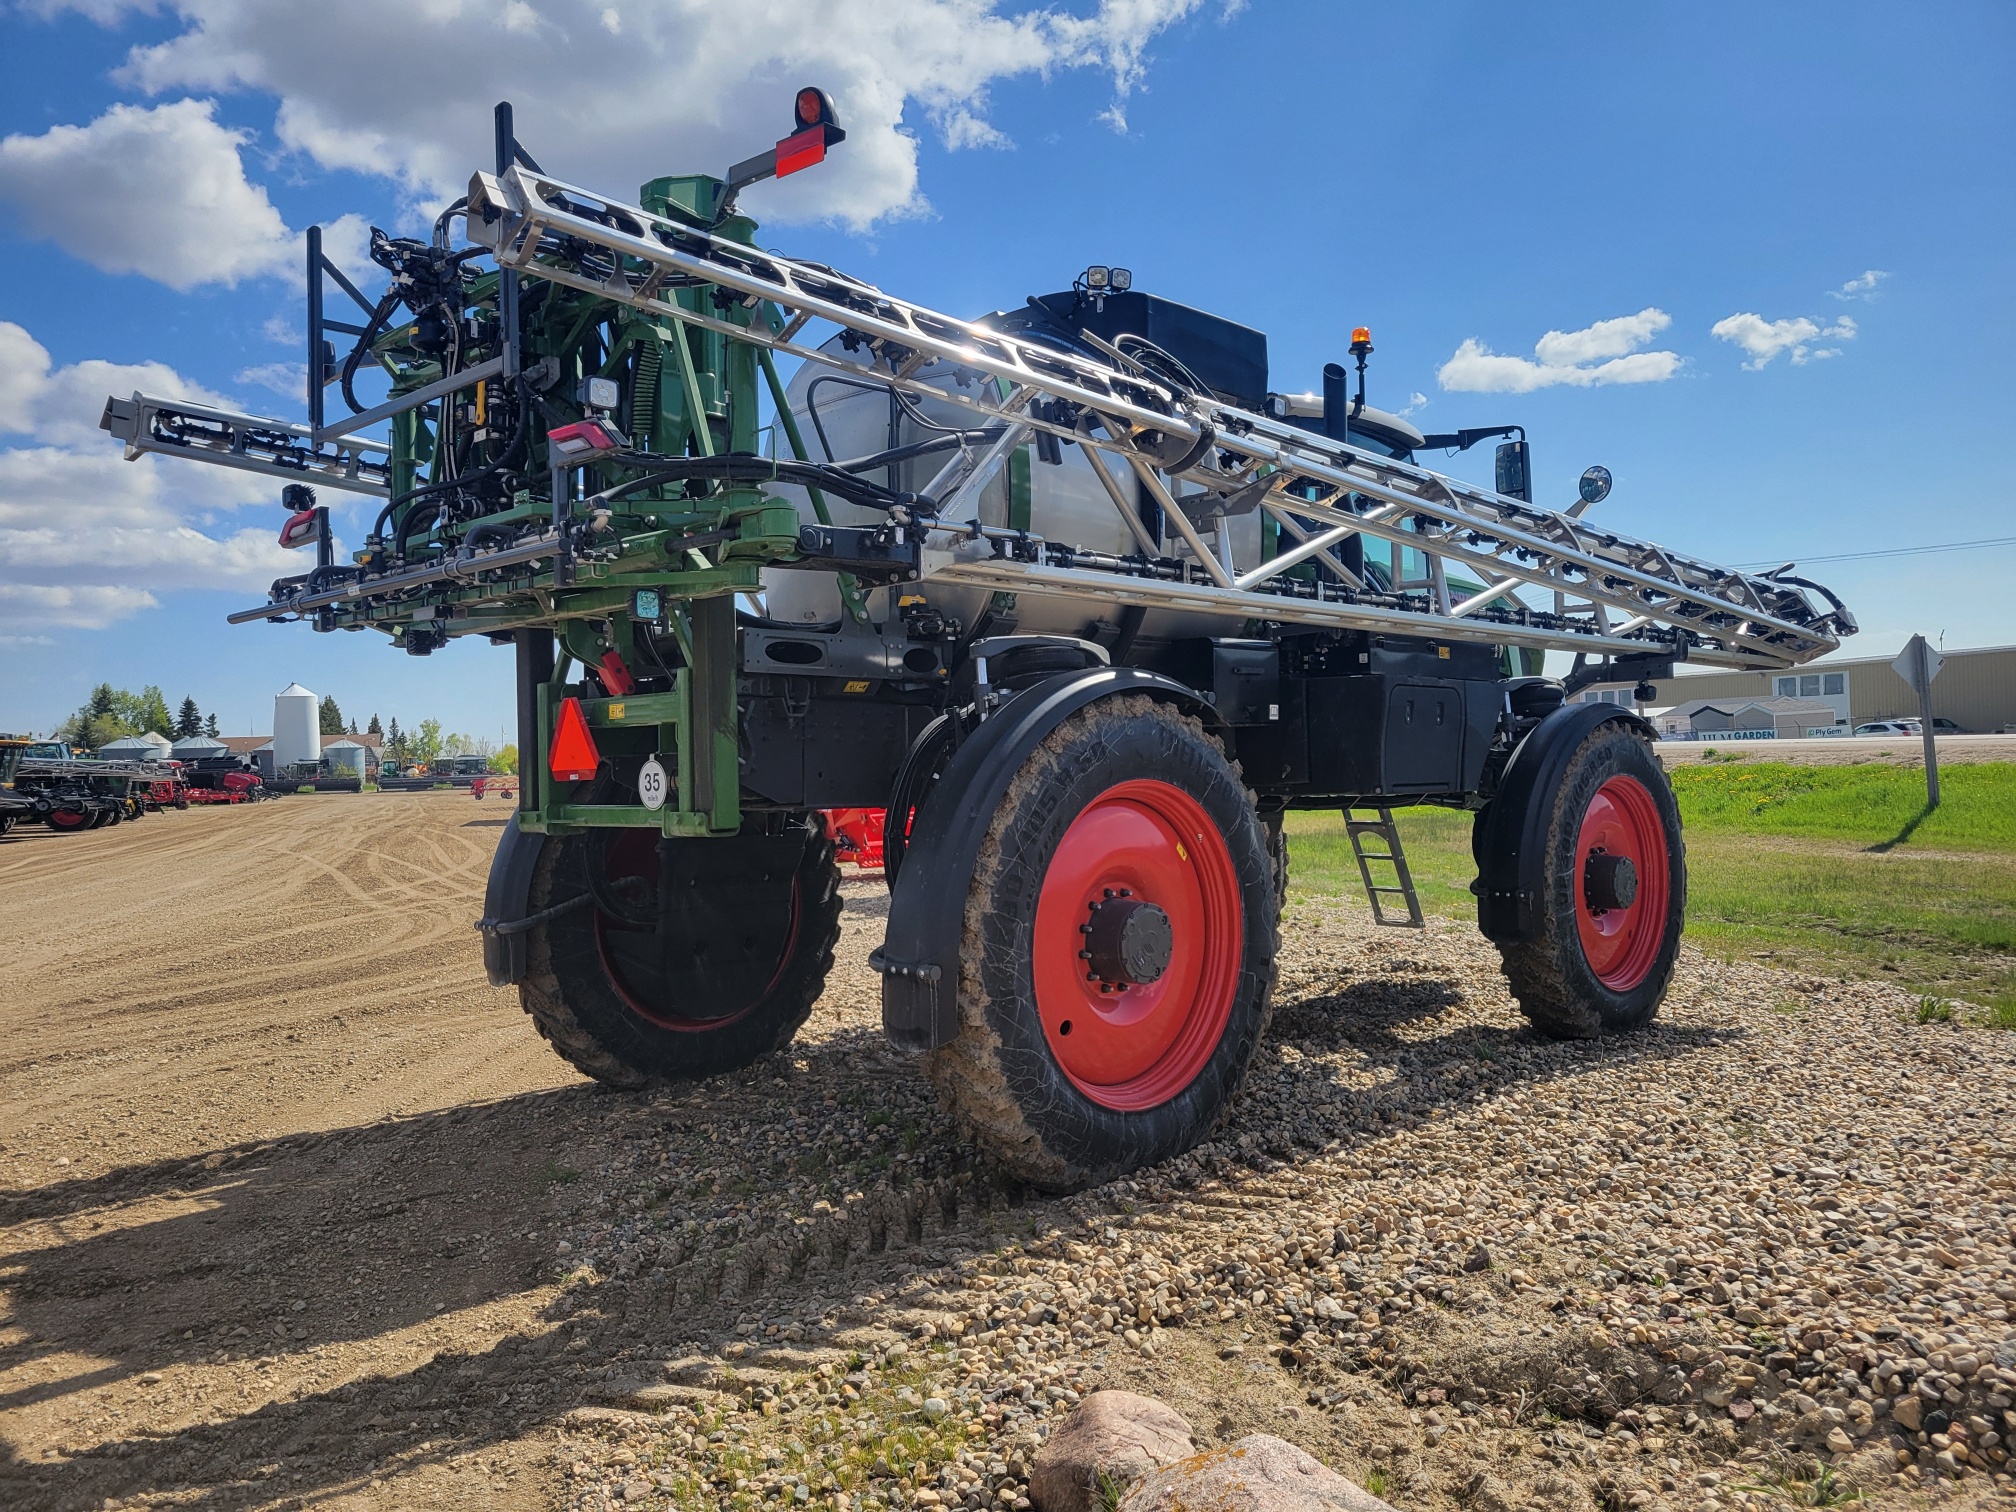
(1828,869)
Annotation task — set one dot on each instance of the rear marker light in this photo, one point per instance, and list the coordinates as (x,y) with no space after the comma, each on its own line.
(805,150)
(299,530)
(581,439)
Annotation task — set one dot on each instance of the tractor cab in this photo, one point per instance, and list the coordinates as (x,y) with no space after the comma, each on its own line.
(1374,430)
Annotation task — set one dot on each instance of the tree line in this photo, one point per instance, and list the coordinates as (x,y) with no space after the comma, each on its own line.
(111,714)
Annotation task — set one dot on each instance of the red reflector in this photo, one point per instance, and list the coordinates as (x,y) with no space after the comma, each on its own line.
(615,676)
(299,529)
(573,757)
(801,151)
(579,439)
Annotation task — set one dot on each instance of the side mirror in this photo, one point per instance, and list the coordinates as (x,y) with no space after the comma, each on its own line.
(1593,487)
(1515,470)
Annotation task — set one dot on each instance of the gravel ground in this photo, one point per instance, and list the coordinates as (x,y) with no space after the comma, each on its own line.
(1762,1253)
(297,1211)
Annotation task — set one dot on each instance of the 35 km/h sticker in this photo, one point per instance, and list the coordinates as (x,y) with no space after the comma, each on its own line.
(652,784)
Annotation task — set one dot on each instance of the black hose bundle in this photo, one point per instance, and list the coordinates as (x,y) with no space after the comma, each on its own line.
(748,467)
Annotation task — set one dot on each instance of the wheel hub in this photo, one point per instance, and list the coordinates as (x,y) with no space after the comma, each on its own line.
(1609,881)
(1625,883)
(1128,942)
(1133,994)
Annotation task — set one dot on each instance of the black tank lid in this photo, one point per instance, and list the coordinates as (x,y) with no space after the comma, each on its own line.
(1230,358)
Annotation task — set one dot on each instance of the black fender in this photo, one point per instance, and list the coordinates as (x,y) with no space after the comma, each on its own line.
(919,958)
(506,902)
(1510,838)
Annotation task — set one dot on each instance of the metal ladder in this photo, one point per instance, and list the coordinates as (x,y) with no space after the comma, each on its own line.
(1384,829)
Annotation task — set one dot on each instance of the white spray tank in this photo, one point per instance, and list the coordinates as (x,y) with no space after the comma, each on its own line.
(297,727)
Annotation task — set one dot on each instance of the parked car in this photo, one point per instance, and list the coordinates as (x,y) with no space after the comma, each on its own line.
(1890,727)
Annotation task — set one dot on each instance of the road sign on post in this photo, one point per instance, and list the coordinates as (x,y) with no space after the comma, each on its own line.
(1918,665)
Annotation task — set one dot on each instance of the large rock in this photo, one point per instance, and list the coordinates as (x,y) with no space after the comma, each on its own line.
(1259,1473)
(1115,1432)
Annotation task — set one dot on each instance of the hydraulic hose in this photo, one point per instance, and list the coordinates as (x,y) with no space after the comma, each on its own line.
(372,328)
(747,467)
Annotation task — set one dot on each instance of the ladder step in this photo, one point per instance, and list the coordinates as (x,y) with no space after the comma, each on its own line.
(1384,830)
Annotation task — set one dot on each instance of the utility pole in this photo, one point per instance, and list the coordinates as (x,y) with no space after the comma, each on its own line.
(1918,665)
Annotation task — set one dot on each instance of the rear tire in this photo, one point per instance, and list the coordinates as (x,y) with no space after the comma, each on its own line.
(1602,961)
(720,976)
(1067,1078)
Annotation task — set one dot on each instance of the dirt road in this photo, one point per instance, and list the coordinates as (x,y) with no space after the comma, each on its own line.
(271,1144)
(298,1211)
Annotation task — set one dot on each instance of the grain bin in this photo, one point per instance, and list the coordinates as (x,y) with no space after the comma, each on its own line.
(297,727)
(345,758)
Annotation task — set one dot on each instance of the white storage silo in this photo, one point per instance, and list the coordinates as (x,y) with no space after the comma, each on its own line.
(297,727)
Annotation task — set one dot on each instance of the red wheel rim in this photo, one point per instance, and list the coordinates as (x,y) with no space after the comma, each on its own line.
(1140,1046)
(1621,944)
(634,854)
(66,819)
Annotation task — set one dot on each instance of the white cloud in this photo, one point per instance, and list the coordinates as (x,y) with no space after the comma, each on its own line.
(1862,286)
(286,378)
(1414,405)
(78,608)
(1603,353)
(691,87)
(87,538)
(1765,339)
(159,191)
(1604,339)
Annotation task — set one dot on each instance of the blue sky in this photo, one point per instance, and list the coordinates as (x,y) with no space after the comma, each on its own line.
(1464,179)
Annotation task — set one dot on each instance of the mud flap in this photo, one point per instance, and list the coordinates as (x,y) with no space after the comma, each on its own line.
(919,958)
(506,902)
(1510,837)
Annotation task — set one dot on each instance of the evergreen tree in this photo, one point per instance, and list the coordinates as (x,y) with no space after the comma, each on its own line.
(353,727)
(103,701)
(375,728)
(188,720)
(210,726)
(332,717)
(395,743)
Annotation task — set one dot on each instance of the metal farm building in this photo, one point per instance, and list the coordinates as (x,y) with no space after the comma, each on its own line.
(1975,689)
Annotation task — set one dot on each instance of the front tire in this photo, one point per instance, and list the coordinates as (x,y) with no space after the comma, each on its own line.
(1119,953)
(706,974)
(1616,894)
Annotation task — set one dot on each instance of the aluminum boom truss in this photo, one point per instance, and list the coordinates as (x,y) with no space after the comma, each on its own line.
(1611,593)
(1200,459)
(248,442)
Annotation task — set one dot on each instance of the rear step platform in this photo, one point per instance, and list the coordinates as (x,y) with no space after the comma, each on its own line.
(1383,830)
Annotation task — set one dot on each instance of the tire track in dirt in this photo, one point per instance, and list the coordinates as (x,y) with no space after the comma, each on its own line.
(269,1146)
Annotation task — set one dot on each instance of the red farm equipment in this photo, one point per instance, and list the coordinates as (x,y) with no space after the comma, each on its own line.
(856,834)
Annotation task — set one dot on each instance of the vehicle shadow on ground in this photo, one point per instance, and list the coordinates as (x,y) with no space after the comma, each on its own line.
(374,1227)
